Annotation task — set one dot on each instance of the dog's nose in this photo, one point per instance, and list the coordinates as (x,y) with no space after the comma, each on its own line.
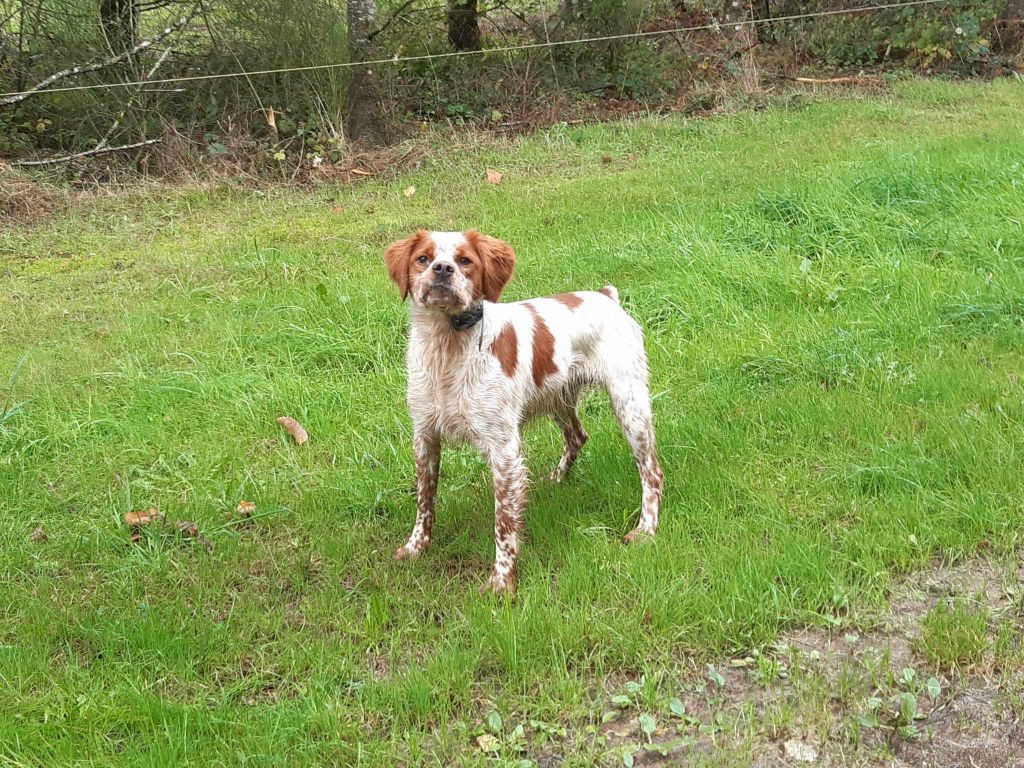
(443,269)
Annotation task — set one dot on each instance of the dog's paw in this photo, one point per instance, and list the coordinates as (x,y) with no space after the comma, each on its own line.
(499,585)
(556,476)
(638,535)
(405,552)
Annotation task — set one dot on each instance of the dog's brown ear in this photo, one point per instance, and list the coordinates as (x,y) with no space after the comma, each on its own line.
(397,258)
(499,261)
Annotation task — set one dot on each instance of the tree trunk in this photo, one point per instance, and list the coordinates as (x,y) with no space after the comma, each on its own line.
(365,117)
(762,9)
(744,40)
(1009,29)
(566,10)
(463,25)
(120,23)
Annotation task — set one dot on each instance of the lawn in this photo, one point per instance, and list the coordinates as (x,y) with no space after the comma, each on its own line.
(832,295)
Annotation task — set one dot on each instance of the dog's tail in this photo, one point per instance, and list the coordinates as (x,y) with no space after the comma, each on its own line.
(611,292)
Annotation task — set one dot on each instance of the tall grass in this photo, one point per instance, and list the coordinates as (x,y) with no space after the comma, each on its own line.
(830,291)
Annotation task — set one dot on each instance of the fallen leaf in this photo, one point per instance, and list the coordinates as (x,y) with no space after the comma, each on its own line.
(272,120)
(606,159)
(188,529)
(494,177)
(409,191)
(488,743)
(38,535)
(296,430)
(360,172)
(142,517)
(800,752)
(245,508)
(337,209)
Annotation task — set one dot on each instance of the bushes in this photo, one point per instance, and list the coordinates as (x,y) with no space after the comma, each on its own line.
(953,35)
(220,116)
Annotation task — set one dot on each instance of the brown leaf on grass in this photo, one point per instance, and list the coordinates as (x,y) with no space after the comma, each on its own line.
(38,536)
(296,430)
(606,159)
(488,743)
(360,172)
(494,177)
(245,509)
(188,529)
(142,517)
(337,209)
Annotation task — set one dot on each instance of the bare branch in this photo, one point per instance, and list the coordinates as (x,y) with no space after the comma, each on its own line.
(87,153)
(392,18)
(152,70)
(79,70)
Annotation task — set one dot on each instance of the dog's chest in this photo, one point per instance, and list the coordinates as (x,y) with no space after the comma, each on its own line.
(445,391)
(443,402)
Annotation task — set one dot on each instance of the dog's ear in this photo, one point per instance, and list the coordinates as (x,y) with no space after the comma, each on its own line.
(397,258)
(498,259)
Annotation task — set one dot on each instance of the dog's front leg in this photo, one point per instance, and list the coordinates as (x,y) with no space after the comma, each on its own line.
(509,469)
(427,450)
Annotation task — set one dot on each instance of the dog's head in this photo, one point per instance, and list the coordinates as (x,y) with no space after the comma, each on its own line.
(450,271)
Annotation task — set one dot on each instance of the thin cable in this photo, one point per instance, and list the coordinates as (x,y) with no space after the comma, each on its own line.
(502,49)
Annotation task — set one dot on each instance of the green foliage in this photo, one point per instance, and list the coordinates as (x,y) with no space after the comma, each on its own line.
(948,35)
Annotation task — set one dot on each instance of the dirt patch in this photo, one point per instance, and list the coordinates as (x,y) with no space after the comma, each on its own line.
(869,696)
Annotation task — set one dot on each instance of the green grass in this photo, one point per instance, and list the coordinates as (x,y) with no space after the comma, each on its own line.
(955,635)
(832,294)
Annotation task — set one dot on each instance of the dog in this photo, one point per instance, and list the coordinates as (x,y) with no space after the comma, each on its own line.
(479,370)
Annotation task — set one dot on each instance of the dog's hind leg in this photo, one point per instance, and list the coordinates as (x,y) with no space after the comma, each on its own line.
(631,402)
(568,420)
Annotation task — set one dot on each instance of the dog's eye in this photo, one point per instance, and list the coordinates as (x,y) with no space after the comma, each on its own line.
(423,259)
(464,262)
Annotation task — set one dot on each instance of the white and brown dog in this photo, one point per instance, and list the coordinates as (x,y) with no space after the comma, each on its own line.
(478,370)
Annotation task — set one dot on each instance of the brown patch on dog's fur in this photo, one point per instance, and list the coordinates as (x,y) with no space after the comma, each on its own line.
(474,271)
(543,349)
(498,261)
(505,525)
(571,300)
(506,349)
(607,292)
(399,259)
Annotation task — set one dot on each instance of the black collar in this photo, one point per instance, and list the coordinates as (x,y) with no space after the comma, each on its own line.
(467,319)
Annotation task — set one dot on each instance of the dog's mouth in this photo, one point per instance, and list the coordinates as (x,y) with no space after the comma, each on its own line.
(443,289)
(442,296)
